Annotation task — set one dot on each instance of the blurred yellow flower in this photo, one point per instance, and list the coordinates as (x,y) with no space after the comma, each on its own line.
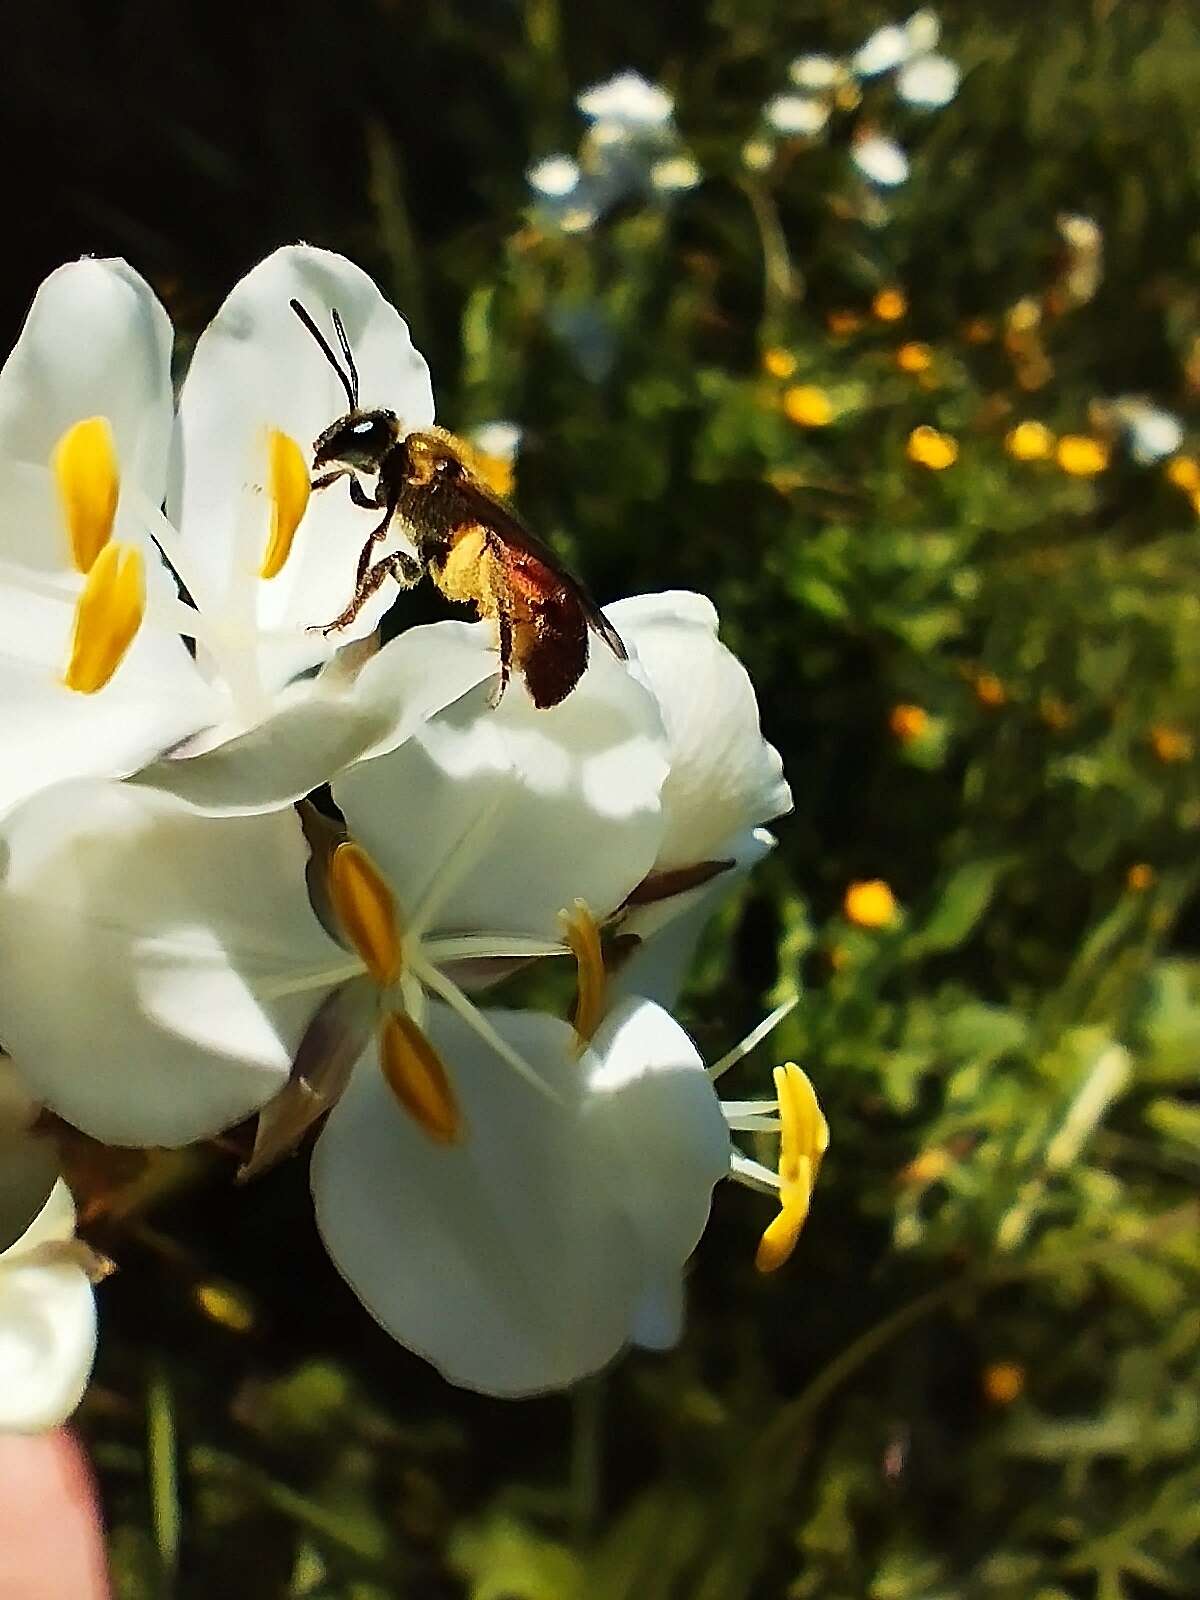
(1140,877)
(807,406)
(803,1141)
(841,323)
(1030,441)
(929,448)
(870,904)
(979,330)
(989,691)
(1184,473)
(889,305)
(914,357)
(1170,744)
(1024,316)
(1003,1382)
(925,1168)
(1081,456)
(1054,713)
(778,363)
(223,1304)
(908,722)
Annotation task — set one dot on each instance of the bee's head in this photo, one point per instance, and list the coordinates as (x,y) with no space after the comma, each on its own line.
(359,439)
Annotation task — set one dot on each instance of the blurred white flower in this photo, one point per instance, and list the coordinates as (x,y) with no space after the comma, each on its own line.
(796,114)
(886,49)
(627,101)
(922,31)
(758,154)
(816,73)
(675,174)
(554,176)
(1083,268)
(929,82)
(1150,433)
(880,159)
(501,439)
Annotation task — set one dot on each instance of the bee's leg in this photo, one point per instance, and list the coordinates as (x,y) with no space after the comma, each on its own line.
(504,622)
(399,566)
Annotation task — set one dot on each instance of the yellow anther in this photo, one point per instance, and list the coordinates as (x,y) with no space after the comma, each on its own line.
(929,448)
(366,909)
(870,904)
(581,933)
(85,469)
(803,1141)
(414,1072)
(289,487)
(108,615)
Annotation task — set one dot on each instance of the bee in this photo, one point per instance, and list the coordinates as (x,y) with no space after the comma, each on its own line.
(468,541)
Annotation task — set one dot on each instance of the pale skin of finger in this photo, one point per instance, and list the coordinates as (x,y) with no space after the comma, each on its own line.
(51,1537)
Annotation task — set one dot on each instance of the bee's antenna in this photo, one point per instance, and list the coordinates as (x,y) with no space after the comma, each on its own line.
(349,355)
(350,388)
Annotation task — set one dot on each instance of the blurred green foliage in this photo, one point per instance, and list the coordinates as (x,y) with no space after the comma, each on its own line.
(978,1377)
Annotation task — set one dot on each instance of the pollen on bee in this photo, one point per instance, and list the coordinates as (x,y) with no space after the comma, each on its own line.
(88,479)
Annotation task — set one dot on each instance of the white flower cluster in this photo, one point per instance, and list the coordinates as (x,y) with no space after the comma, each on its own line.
(822,85)
(631,147)
(248,866)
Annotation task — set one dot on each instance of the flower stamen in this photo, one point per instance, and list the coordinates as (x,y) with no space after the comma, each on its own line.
(366,910)
(108,614)
(803,1140)
(581,934)
(288,487)
(84,462)
(416,1075)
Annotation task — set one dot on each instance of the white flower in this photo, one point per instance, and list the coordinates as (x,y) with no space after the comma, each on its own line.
(929,82)
(94,677)
(164,966)
(1150,432)
(527,1252)
(816,73)
(554,176)
(880,159)
(724,780)
(499,439)
(796,114)
(629,102)
(47,1311)
(922,31)
(675,174)
(47,1321)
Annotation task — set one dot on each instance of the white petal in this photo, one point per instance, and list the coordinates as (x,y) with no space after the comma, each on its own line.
(671,929)
(256,367)
(816,72)
(141,943)
(547,805)
(724,777)
(923,30)
(796,114)
(96,342)
(47,1327)
(886,48)
(627,101)
(928,81)
(322,725)
(658,1315)
(505,1260)
(880,159)
(650,1098)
